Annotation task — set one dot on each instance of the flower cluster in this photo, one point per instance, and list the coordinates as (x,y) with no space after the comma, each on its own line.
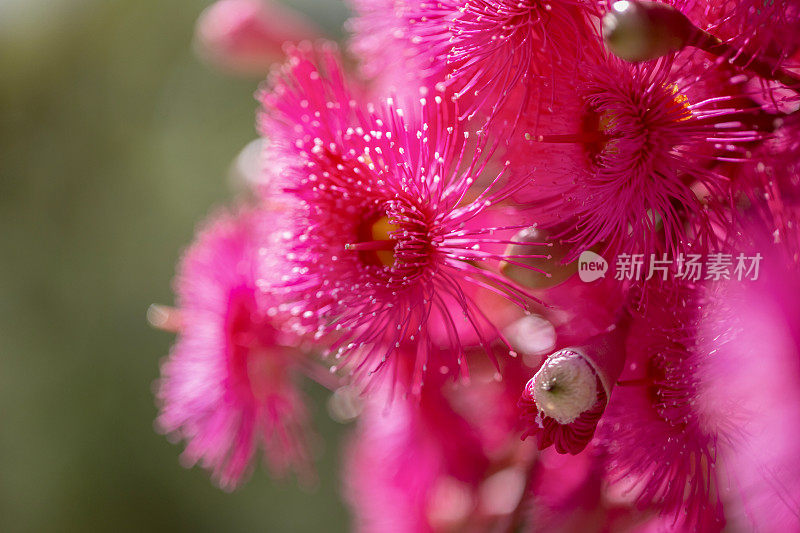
(424,236)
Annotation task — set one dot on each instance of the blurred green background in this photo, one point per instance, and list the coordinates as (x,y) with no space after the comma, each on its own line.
(114,141)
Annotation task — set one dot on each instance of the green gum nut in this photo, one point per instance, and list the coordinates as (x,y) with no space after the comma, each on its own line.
(641,31)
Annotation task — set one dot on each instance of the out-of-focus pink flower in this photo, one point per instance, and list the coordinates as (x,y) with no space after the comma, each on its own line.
(228,386)
(616,156)
(570,495)
(389,232)
(413,465)
(698,427)
(662,449)
(247,36)
(447,460)
(754,371)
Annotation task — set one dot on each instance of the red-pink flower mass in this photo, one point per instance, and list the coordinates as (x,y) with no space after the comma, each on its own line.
(546,251)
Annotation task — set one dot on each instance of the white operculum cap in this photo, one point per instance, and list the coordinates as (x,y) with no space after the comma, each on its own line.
(565,386)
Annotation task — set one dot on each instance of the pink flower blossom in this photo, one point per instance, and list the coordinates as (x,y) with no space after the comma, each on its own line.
(661,448)
(447,460)
(402,454)
(228,387)
(390,236)
(627,156)
(697,426)
(409,241)
(754,331)
(487,52)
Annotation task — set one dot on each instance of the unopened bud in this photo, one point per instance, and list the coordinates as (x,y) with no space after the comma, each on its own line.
(572,389)
(565,386)
(527,271)
(640,30)
(345,404)
(246,172)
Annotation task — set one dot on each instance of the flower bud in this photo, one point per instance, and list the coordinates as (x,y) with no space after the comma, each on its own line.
(530,275)
(565,400)
(640,31)
(345,404)
(564,387)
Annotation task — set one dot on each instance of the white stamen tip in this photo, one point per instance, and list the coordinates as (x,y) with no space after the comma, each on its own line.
(565,386)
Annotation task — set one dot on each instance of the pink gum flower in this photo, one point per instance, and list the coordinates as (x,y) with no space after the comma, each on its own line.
(228,386)
(389,235)
(492,55)
(405,458)
(753,329)
(619,156)
(661,448)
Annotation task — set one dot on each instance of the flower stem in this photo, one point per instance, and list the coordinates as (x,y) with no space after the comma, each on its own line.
(757,65)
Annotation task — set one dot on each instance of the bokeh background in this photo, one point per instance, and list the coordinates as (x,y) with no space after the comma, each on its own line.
(114,141)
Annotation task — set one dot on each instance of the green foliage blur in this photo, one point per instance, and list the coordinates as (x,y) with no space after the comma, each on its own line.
(114,142)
